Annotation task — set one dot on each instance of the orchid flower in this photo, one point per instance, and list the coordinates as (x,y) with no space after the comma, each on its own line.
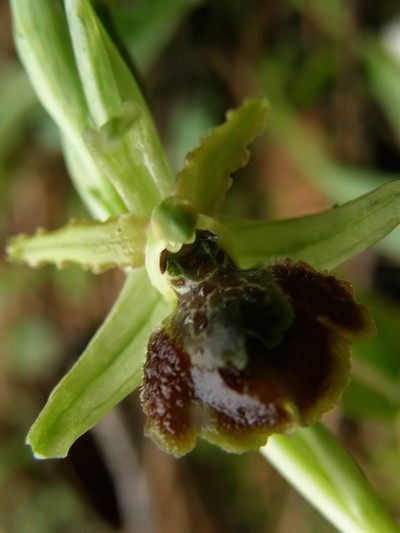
(235,328)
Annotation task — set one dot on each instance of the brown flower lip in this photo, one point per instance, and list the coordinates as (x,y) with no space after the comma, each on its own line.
(247,353)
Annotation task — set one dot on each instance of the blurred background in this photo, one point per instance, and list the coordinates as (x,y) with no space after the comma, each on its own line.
(331,71)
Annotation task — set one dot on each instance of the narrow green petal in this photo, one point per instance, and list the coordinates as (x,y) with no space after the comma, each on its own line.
(174,221)
(109,369)
(124,141)
(325,240)
(95,246)
(320,469)
(206,175)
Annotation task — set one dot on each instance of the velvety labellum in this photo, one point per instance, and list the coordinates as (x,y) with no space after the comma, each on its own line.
(246,353)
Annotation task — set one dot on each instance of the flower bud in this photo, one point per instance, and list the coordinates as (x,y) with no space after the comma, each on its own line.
(247,353)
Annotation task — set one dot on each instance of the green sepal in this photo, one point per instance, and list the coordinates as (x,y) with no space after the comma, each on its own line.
(94,245)
(101,200)
(206,175)
(42,38)
(108,370)
(325,240)
(136,164)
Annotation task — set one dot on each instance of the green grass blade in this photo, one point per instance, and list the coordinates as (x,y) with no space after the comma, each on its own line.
(108,370)
(94,245)
(206,175)
(315,463)
(295,463)
(325,240)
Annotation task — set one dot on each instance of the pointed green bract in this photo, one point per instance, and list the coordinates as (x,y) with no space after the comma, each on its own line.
(134,162)
(325,240)
(94,245)
(109,369)
(206,175)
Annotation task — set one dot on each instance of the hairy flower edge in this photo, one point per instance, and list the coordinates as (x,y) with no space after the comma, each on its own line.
(246,353)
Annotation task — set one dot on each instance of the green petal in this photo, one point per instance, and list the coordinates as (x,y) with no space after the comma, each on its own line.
(133,158)
(206,175)
(325,240)
(96,246)
(109,369)
(320,469)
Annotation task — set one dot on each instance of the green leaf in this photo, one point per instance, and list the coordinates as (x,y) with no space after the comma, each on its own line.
(320,469)
(133,158)
(95,246)
(325,240)
(206,175)
(109,369)
(44,46)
